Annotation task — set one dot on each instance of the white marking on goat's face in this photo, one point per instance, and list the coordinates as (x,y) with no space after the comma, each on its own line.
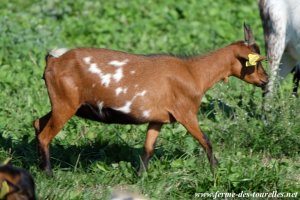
(146,113)
(94,85)
(120,90)
(136,85)
(132,72)
(118,75)
(87,60)
(117,63)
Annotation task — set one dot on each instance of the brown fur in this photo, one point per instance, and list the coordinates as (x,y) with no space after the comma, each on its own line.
(174,88)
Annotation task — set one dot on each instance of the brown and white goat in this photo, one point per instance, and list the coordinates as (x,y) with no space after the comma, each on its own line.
(117,87)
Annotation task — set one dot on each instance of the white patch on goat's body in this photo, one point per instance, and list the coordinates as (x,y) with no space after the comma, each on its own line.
(136,85)
(126,108)
(118,75)
(132,72)
(146,113)
(120,90)
(105,78)
(94,85)
(100,106)
(58,52)
(87,59)
(94,69)
(117,63)
(98,109)
(140,94)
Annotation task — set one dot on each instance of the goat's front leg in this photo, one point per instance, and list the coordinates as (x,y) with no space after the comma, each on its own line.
(152,134)
(191,124)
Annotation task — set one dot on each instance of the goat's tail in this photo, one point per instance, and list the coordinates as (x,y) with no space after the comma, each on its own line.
(55,53)
(58,52)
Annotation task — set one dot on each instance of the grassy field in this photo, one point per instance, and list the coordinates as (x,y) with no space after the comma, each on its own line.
(258,152)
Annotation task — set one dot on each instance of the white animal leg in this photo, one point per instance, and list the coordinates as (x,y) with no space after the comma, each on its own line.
(275,49)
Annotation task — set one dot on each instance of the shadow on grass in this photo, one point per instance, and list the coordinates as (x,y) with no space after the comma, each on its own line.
(25,154)
(210,108)
(251,107)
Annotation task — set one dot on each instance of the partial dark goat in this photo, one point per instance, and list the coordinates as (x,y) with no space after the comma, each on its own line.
(16,184)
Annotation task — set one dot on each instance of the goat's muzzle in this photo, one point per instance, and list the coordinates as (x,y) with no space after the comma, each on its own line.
(263,84)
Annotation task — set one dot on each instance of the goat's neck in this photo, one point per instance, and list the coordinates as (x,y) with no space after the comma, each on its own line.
(211,68)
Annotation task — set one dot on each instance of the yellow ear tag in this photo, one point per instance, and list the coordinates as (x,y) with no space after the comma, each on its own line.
(4,189)
(253,58)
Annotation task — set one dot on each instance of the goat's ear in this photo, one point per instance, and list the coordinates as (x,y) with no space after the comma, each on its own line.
(4,189)
(249,38)
(261,58)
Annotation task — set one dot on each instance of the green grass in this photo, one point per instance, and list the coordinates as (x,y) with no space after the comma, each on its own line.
(258,152)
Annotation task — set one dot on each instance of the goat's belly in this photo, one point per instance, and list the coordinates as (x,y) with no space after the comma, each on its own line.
(107,115)
(294,50)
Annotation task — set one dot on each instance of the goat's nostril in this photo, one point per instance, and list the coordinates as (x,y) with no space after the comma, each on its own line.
(264,82)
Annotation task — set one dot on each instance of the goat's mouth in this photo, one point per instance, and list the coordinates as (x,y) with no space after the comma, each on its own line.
(262,84)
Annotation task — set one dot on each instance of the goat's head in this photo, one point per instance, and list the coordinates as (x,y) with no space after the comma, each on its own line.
(249,67)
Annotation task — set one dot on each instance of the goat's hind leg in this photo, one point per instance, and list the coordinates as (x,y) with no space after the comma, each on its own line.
(53,122)
(64,102)
(39,125)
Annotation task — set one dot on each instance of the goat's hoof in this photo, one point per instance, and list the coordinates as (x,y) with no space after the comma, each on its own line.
(142,171)
(214,165)
(49,173)
(214,162)
(295,95)
(46,170)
